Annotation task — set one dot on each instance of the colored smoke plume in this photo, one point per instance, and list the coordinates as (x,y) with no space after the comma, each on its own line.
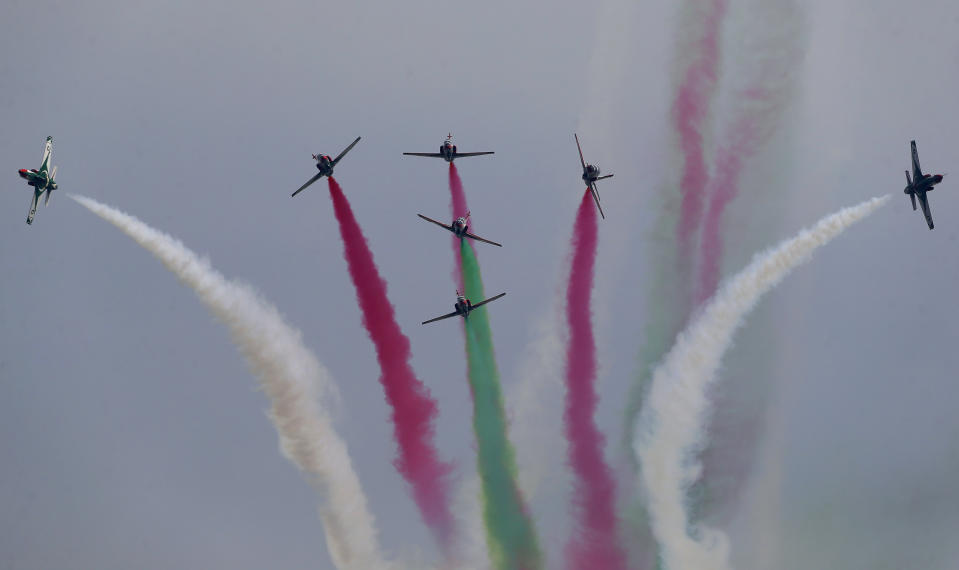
(690,111)
(290,375)
(766,74)
(671,429)
(413,408)
(594,542)
(458,208)
(510,533)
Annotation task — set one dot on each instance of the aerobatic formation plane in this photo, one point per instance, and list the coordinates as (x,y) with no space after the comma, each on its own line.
(460,228)
(919,184)
(590,176)
(325,165)
(463,307)
(42,179)
(448,151)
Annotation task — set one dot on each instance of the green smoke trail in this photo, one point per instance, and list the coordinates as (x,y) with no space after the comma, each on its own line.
(664,319)
(510,534)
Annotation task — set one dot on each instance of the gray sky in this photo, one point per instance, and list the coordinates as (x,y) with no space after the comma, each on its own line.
(131,432)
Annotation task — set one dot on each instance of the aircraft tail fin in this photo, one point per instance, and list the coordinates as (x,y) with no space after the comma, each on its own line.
(51,187)
(912,195)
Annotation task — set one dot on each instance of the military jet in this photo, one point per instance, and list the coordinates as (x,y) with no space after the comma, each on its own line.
(590,176)
(460,228)
(447,151)
(463,307)
(919,185)
(43,179)
(325,165)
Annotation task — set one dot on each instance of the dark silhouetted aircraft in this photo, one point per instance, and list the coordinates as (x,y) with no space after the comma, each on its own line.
(447,151)
(325,166)
(590,176)
(919,185)
(460,228)
(463,307)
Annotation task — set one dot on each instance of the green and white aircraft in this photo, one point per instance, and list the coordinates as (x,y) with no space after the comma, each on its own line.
(43,179)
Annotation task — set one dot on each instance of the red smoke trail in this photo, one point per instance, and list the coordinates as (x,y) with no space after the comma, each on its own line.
(594,543)
(413,407)
(722,190)
(690,109)
(457,208)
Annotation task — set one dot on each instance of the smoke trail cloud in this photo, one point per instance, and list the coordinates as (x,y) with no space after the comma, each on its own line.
(510,534)
(290,376)
(769,60)
(594,542)
(458,208)
(671,428)
(414,409)
(690,112)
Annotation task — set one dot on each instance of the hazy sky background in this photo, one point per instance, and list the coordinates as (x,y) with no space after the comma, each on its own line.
(131,432)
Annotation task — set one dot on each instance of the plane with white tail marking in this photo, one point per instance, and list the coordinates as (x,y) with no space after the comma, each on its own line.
(448,151)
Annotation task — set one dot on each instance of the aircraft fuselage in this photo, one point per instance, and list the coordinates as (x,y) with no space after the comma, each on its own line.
(590,173)
(324,164)
(463,306)
(460,227)
(38,180)
(924,184)
(448,150)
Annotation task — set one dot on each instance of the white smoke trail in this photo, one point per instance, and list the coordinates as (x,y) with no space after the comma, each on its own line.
(290,375)
(671,429)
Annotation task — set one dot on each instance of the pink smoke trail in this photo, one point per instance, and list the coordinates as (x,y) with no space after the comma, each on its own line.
(690,110)
(457,208)
(722,190)
(413,407)
(594,542)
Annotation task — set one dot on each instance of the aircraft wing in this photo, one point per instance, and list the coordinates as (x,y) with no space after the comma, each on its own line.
(916,171)
(453,314)
(465,154)
(581,159)
(47,152)
(924,202)
(346,150)
(440,224)
(595,193)
(33,207)
(308,182)
(429,154)
(477,238)
(490,300)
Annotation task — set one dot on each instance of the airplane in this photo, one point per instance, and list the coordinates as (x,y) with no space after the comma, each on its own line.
(463,307)
(590,176)
(919,185)
(447,152)
(460,228)
(325,165)
(43,179)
